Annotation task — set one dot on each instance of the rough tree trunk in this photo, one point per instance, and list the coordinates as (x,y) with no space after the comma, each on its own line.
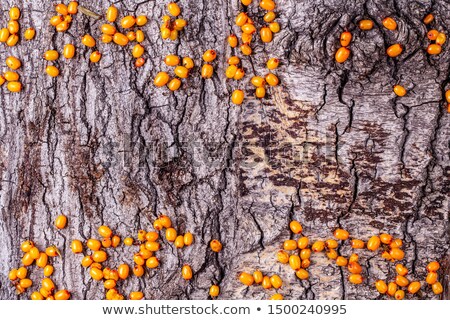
(331,146)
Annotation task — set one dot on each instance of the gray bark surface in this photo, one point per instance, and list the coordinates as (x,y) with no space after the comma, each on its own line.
(331,146)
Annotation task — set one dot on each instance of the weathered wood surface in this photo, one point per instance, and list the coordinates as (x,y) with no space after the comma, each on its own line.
(331,146)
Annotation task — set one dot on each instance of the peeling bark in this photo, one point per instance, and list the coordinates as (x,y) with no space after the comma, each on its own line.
(332,146)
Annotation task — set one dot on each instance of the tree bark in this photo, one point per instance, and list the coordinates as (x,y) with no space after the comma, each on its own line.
(331,146)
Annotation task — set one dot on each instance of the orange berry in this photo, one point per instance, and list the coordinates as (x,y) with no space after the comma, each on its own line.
(394,50)
(389,23)
(342,54)
(345,39)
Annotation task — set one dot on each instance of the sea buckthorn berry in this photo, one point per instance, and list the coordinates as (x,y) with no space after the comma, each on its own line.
(34,252)
(392,289)
(276,281)
(14,13)
(234,60)
(172,60)
(246,2)
(394,50)
(282,256)
(151,236)
(397,254)
(266,283)
(52,251)
(87,261)
(165,33)
(161,79)
(294,262)
(381,286)
(112,13)
(62,295)
(399,295)
(36,296)
(179,24)
(14,86)
(188,239)
(354,267)
(13,63)
(246,278)
(374,243)
(246,38)
(306,263)
(115,241)
(131,35)
(152,262)
(389,23)
(215,245)
(136,295)
(399,91)
(232,41)
(29,34)
(237,97)
(366,24)
(276,296)
(72,7)
(174,9)
(140,36)
(302,274)
(274,27)
(431,278)
(108,29)
(401,281)
(138,270)
(246,50)
(342,54)
(441,38)
(95,57)
(414,287)
(250,29)
(128,241)
(152,246)
(88,41)
(318,246)
(99,256)
(96,274)
(13,27)
(214,290)
(69,51)
(271,79)
(173,35)
(345,39)
(209,55)
(120,39)
(240,73)
(269,16)
(141,20)
(331,244)
(241,19)
(13,275)
(179,242)
(353,257)
(341,234)
(63,26)
(272,64)
(4,35)
(259,82)
(141,235)
(357,244)
(22,273)
(25,283)
(186,272)
(94,244)
(294,225)
(260,92)
(290,245)
(48,285)
(138,51)
(437,288)
(428,18)
(355,278)
(61,221)
(62,9)
(48,270)
(12,40)
(207,71)
(258,276)
(183,73)
(26,245)
(44,293)
(266,34)
(341,261)
(332,254)
(11,76)
(433,266)
(401,269)
(171,233)
(41,262)
(55,20)
(396,243)
(137,258)
(268,5)
(306,253)
(123,271)
(432,34)
(128,22)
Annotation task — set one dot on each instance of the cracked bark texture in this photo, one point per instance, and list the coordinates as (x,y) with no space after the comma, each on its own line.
(331,146)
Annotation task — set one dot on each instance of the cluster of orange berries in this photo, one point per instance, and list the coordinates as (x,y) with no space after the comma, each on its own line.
(62,21)
(169,29)
(53,55)
(9,35)
(32,254)
(301,261)
(181,71)
(14,85)
(439,38)
(265,281)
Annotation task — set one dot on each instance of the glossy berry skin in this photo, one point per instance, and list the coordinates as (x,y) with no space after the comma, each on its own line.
(432,34)
(215,245)
(355,278)
(345,39)
(207,71)
(441,38)
(401,270)
(4,35)
(374,243)
(214,291)
(389,23)
(318,246)
(271,79)
(258,276)
(88,41)
(174,9)
(188,239)
(12,40)
(183,73)
(232,41)
(13,27)
(87,261)
(433,266)
(266,282)
(437,288)
(72,7)
(397,253)
(401,281)
(428,18)
(269,16)
(357,244)
(258,82)
(29,34)
(13,63)
(186,272)
(174,85)
(381,286)
(138,51)
(161,79)
(120,39)
(230,72)
(331,244)
(69,51)
(341,234)
(272,63)
(128,22)
(172,60)
(62,295)
(366,24)
(276,281)
(268,5)
(342,54)
(395,50)
(94,244)
(241,19)
(209,55)
(295,262)
(302,274)
(246,50)
(399,295)
(290,245)
(414,287)
(95,57)
(431,278)
(341,261)
(246,278)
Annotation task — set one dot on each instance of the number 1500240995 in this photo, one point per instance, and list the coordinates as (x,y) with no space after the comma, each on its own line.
(307,309)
